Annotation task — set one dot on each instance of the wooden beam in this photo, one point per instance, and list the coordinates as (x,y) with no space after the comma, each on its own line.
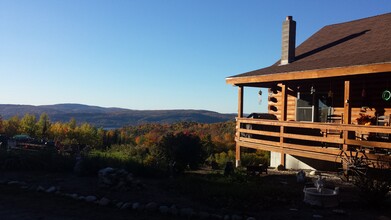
(329,151)
(308,154)
(259,141)
(331,155)
(330,139)
(237,155)
(312,74)
(346,120)
(313,155)
(283,117)
(259,146)
(377,144)
(347,109)
(335,139)
(240,101)
(260,132)
(283,102)
(319,125)
(240,115)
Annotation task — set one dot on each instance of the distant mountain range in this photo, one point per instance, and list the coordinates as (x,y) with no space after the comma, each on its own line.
(112,117)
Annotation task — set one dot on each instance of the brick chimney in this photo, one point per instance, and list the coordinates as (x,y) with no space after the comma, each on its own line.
(288,40)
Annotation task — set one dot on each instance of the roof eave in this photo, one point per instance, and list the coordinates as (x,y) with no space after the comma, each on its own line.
(312,74)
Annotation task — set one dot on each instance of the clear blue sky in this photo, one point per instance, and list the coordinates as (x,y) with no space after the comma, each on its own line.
(151,54)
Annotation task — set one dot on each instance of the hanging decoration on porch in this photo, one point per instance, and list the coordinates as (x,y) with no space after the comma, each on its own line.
(386,96)
(260,97)
(364,99)
(329,100)
(312,90)
(363,93)
(298,92)
(330,94)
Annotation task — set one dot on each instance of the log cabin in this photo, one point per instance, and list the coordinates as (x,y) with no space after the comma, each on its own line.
(329,101)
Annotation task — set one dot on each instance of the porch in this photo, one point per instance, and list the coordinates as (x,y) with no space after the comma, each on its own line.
(302,110)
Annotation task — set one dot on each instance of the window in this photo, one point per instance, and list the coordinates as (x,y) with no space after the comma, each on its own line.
(312,107)
(304,107)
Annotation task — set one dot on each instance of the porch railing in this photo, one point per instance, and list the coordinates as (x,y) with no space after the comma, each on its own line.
(323,141)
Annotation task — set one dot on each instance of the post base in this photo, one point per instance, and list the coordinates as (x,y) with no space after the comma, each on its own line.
(237,163)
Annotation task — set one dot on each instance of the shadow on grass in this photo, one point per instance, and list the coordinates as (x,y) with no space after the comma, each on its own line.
(53,162)
(21,160)
(238,192)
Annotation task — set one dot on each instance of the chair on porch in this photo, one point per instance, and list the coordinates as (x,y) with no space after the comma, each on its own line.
(383,120)
(334,119)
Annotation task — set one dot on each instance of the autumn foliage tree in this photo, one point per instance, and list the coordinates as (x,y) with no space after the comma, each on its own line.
(28,125)
(12,126)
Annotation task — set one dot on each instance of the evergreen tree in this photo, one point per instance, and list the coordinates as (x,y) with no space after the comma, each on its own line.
(43,126)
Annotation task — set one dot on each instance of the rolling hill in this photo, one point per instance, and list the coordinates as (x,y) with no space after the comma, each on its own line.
(112,117)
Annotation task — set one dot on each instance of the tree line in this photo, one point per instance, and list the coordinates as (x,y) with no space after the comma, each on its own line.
(185,144)
(217,136)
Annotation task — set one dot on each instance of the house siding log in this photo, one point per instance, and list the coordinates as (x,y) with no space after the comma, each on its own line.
(374,85)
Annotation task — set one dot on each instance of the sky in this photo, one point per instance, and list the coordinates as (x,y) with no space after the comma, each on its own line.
(151,54)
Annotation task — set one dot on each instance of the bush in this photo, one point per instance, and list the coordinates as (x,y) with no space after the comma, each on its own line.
(223,157)
(256,158)
(96,160)
(373,185)
(181,151)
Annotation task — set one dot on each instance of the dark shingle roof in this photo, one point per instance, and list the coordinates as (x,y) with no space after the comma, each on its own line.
(359,42)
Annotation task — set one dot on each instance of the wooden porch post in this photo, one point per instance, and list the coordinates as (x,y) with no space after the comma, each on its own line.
(283,117)
(240,115)
(347,110)
(240,101)
(346,118)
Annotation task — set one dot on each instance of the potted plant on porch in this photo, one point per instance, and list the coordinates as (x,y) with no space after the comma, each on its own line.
(365,119)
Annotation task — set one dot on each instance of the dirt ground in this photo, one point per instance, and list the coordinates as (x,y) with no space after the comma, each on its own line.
(18,203)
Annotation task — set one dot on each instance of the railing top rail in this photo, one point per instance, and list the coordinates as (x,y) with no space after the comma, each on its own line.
(318,125)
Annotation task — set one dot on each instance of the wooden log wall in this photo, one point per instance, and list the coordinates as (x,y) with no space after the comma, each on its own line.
(365,91)
(274,105)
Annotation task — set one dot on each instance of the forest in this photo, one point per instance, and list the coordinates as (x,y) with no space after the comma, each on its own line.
(141,143)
